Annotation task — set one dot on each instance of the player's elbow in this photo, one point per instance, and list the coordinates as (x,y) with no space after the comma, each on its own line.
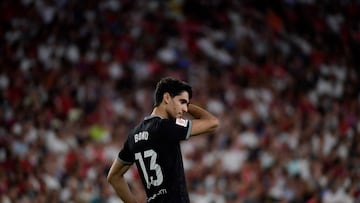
(112,178)
(214,123)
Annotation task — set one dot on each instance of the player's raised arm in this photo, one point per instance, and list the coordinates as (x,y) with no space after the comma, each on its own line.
(203,122)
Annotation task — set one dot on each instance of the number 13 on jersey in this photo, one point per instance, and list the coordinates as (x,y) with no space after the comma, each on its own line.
(158,179)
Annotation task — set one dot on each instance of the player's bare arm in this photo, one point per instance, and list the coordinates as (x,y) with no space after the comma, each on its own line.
(117,180)
(203,122)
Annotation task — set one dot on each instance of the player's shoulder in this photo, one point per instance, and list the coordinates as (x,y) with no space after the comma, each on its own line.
(156,123)
(150,124)
(152,118)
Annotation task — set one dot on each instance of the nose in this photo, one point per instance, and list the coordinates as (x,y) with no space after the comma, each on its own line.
(185,108)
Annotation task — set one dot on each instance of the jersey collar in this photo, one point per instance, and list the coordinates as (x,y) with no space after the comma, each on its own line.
(152,116)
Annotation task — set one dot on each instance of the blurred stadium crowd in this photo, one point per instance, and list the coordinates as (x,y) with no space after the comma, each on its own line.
(282,76)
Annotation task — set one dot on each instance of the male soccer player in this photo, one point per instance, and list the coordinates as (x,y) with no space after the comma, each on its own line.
(154,145)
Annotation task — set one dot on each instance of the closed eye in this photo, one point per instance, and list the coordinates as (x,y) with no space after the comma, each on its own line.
(184,101)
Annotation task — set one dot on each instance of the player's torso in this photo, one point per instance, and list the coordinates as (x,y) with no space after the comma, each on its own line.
(159,162)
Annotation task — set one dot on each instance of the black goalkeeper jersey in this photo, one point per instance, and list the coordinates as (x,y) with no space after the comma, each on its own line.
(154,145)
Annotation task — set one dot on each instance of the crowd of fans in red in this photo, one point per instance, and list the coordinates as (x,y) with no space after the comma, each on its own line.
(282,76)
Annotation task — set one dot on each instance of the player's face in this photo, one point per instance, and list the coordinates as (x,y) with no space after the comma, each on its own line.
(179,105)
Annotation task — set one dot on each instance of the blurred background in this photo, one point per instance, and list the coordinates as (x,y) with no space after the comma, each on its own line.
(281,75)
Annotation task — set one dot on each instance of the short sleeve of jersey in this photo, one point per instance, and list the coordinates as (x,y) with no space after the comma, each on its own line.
(176,129)
(125,154)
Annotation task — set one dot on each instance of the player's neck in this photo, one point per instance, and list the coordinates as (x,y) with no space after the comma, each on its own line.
(160,111)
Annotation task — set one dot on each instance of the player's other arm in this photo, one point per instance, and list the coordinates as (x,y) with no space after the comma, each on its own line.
(118,182)
(203,122)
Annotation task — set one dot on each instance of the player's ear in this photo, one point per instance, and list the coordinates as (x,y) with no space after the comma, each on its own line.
(166,97)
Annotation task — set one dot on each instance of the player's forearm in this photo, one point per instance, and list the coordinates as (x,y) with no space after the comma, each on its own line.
(199,113)
(122,190)
(203,122)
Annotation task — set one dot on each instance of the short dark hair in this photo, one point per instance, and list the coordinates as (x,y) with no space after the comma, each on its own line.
(172,86)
